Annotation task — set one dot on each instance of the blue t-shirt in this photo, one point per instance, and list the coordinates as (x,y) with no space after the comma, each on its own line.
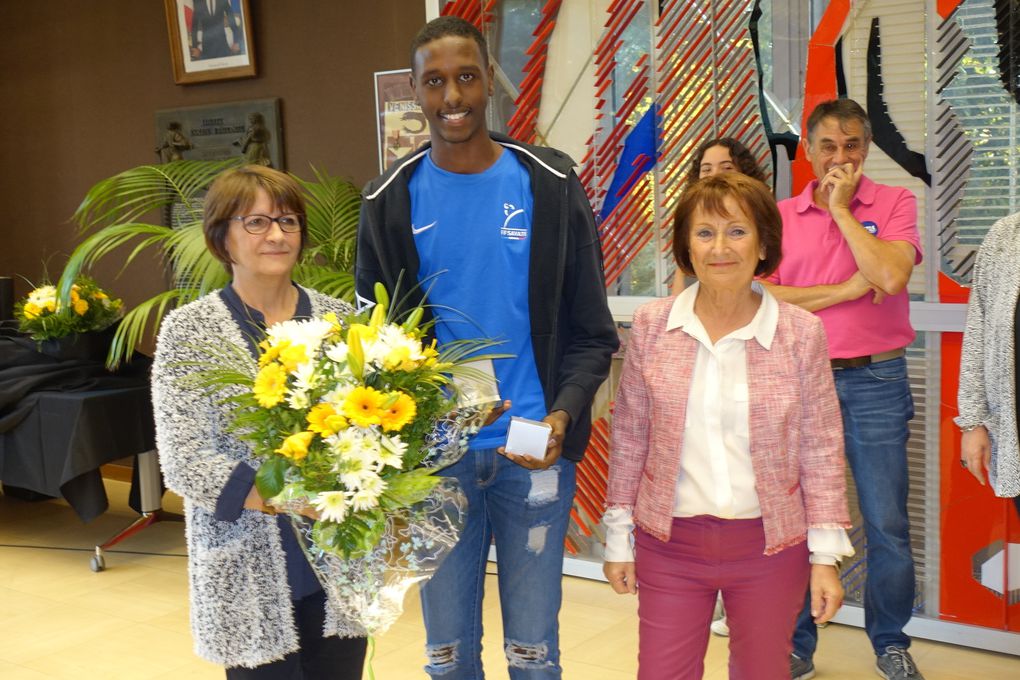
(473,236)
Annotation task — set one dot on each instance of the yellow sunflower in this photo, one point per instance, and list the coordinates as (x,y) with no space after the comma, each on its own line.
(293,355)
(398,413)
(324,420)
(363,406)
(80,306)
(269,353)
(270,385)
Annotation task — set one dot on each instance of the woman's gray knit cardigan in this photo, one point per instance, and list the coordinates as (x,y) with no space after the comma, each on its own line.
(987,393)
(241,613)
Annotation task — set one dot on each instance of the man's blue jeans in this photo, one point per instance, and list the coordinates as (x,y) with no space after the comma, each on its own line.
(527,513)
(876,405)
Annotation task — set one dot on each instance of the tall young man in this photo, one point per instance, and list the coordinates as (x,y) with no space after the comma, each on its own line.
(505,237)
(849,246)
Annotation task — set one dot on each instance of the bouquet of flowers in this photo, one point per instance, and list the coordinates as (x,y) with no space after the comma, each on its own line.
(42,316)
(352,419)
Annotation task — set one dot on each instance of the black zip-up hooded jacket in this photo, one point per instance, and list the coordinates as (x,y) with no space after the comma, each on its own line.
(572,331)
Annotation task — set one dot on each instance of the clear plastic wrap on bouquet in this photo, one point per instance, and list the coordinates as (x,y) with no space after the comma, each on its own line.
(448,440)
(370,590)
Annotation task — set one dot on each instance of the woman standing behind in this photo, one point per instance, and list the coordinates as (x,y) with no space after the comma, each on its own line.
(723,154)
(256,606)
(727,450)
(988,365)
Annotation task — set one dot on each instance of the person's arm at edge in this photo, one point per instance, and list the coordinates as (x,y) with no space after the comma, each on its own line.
(814,298)
(822,476)
(630,436)
(975,444)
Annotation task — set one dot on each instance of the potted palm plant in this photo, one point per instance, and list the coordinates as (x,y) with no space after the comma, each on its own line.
(113,214)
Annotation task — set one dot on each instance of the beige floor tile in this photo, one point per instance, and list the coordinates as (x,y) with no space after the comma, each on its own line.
(10,671)
(62,575)
(34,634)
(196,669)
(137,652)
(176,620)
(614,648)
(586,671)
(156,594)
(16,602)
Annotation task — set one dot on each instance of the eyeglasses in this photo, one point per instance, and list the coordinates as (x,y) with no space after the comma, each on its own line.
(259,224)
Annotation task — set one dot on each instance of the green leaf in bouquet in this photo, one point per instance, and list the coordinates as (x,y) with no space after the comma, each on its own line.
(353,538)
(370,529)
(269,480)
(218,367)
(409,488)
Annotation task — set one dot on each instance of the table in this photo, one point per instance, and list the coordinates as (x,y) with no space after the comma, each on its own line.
(59,446)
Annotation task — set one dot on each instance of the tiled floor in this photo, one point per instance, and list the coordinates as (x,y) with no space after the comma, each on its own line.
(58,619)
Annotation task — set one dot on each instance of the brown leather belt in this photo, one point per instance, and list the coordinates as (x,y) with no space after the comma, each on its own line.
(858,362)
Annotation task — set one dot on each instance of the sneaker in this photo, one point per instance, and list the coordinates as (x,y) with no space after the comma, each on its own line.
(801,669)
(897,664)
(720,627)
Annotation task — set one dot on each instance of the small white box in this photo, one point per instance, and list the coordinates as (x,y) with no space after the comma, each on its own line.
(528,437)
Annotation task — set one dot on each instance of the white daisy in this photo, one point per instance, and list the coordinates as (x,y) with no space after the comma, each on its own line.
(367,497)
(308,332)
(392,451)
(332,505)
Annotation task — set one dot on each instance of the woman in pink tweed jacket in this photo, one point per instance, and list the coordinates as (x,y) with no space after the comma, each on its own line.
(727,450)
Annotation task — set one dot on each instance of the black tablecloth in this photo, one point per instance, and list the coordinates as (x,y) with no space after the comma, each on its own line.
(61,420)
(60,444)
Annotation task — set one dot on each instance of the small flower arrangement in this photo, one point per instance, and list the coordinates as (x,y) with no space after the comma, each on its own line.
(351,420)
(90,308)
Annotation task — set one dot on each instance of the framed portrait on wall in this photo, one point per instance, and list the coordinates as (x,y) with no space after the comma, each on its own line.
(210,40)
(402,125)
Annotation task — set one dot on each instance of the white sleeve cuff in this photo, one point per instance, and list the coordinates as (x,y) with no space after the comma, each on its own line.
(619,525)
(828,546)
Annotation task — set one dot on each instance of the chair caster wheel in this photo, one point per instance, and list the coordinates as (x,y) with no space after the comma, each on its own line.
(97,563)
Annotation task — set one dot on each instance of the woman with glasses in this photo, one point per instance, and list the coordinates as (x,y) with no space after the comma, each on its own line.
(256,605)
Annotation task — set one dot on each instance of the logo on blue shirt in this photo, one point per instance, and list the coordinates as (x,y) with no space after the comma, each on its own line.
(870,227)
(418,230)
(509,232)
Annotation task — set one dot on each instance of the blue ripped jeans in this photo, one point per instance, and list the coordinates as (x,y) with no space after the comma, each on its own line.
(527,513)
(877,406)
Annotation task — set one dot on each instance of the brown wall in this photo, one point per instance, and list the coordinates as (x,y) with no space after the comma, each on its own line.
(80,83)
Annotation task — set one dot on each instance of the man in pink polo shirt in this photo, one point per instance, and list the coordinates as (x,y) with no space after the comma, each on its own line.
(849,246)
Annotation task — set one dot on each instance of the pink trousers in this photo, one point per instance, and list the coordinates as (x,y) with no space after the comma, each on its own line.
(677,585)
